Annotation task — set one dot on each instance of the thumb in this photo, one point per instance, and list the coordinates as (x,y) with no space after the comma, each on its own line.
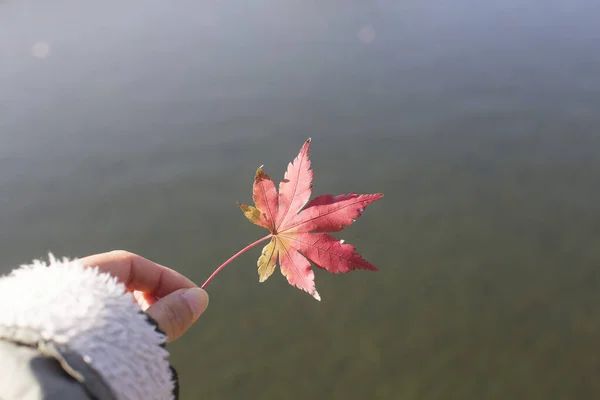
(178,310)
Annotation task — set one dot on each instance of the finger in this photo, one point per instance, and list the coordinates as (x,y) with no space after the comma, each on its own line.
(144,299)
(138,273)
(176,312)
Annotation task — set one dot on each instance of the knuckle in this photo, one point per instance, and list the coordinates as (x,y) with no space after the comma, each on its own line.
(175,314)
(122,254)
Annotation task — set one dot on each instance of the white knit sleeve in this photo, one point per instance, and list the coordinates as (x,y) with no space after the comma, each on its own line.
(88,312)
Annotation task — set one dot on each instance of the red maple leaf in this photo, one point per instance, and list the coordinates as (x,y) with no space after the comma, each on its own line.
(299,227)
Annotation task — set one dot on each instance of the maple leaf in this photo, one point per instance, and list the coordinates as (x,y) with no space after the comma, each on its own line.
(299,227)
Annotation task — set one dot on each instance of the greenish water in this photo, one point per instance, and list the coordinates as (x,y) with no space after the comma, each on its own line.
(144,124)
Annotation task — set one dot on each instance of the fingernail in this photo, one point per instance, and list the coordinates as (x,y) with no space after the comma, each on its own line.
(197,299)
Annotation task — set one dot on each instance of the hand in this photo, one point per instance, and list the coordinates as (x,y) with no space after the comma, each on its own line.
(171,299)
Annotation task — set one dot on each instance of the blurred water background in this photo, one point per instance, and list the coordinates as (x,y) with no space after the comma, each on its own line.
(137,125)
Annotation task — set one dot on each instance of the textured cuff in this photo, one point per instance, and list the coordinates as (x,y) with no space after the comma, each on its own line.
(87,321)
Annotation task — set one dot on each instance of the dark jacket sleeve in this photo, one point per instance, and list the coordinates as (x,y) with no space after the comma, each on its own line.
(27,374)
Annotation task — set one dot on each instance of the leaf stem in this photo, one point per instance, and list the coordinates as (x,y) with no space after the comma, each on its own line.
(236,255)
